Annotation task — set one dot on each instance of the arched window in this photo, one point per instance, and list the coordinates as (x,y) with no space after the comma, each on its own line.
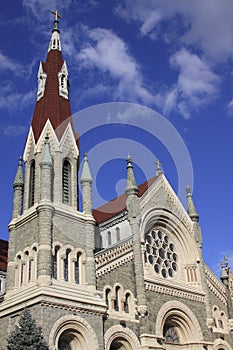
(118,234)
(55,262)
(117,299)
(66,182)
(76,269)
(170,334)
(32,184)
(126,302)
(66,265)
(107,293)
(109,238)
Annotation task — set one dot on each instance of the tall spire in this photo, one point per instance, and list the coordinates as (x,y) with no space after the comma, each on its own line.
(191,208)
(55,43)
(53,89)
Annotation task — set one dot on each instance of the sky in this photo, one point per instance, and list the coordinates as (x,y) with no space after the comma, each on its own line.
(170,62)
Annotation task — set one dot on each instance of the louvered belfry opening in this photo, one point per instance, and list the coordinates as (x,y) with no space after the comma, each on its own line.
(32,184)
(66,182)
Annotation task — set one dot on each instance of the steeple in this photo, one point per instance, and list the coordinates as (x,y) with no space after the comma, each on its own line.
(53,89)
(191,208)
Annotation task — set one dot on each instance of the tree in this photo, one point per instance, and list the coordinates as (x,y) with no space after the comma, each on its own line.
(26,335)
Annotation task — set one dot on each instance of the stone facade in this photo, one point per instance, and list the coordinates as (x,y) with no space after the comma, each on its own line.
(135,279)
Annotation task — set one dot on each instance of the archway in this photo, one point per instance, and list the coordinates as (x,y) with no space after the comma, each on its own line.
(121,338)
(72,333)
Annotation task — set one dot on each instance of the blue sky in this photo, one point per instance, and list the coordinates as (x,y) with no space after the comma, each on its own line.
(172,56)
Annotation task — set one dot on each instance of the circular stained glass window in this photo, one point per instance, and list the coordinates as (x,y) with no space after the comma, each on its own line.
(161,253)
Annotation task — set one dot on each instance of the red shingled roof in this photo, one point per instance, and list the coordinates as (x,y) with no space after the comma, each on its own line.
(51,105)
(118,205)
(3,255)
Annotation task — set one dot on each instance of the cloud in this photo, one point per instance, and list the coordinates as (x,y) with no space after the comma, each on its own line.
(14,130)
(7,63)
(10,99)
(41,8)
(196,85)
(206,25)
(109,53)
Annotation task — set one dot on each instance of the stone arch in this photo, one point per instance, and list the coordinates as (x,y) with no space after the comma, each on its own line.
(183,318)
(74,330)
(122,336)
(220,344)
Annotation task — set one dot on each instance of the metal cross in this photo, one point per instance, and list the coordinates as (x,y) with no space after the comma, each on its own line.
(56,14)
(158,164)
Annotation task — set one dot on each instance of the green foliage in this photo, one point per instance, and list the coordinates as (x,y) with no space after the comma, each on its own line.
(26,335)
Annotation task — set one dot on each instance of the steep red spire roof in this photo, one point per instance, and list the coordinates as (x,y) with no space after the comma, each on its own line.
(52,105)
(3,255)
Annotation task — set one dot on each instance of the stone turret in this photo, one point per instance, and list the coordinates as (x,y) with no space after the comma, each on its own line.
(86,183)
(134,218)
(45,210)
(18,190)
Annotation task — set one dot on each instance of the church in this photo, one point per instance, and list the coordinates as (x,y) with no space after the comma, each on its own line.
(129,275)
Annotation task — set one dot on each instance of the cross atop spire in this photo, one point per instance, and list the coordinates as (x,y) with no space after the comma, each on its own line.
(55,12)
(159,167)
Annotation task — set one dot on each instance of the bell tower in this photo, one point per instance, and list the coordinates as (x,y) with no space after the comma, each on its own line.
(51,249)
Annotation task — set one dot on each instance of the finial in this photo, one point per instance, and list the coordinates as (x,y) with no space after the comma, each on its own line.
(86,173)
(191,208)
(159,167)
(19,177)
(224,270)
(131,186)
(55,12)
(129,161)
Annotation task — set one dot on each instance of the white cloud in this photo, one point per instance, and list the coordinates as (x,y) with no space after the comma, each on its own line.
(14,130)
(7,63)
(109,53)
(196,85)
(208,25)
(10,99)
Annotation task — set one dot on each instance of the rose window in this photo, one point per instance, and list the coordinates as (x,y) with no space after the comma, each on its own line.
(161,253)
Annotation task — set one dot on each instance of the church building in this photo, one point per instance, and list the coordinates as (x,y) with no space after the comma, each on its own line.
(129,275)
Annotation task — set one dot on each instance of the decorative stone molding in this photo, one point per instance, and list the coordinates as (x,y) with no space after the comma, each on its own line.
(175,292)
(113,221)
(130,340)
(112,258)
(79,329)
(170,195)
(215,285)
(186,319)
(220,344)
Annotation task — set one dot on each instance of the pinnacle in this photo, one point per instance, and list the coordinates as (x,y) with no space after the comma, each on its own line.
(86,173)
(191,207)
(19,177)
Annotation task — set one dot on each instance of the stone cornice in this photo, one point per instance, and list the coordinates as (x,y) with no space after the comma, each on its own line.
(175,291)
(114,257)
(113,221)
(215,285)
(70,297)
